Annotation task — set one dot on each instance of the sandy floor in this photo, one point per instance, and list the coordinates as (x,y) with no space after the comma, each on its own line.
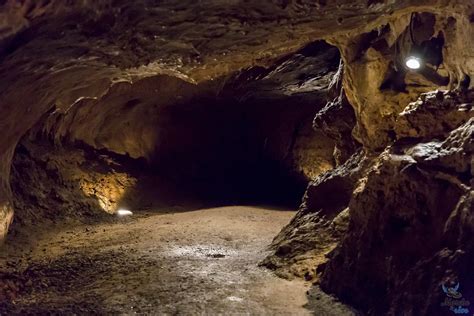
(197,262)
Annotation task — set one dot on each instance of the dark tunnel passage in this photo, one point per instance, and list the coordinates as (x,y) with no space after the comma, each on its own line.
(271,157)
(249,143)
(224,168)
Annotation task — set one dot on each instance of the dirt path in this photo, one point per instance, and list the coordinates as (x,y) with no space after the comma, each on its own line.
(195,262)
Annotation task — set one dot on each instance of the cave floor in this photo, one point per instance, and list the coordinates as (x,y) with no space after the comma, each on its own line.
(196,262)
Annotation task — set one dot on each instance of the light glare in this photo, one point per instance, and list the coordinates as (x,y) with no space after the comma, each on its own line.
(413,63)
(123,212)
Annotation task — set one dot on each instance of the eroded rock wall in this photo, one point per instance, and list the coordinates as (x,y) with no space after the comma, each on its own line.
(59,54)
(378,84)
(323,215)
(411,215)
(76,67)
(391,213)
(254,128)
(54,184)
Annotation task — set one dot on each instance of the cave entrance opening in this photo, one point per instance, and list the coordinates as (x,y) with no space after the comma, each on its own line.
(247,141)
(210,178)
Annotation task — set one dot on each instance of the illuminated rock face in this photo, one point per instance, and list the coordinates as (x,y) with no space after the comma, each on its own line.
(115,76)
(53,184)
(255,129)
(411,217)
(68,56)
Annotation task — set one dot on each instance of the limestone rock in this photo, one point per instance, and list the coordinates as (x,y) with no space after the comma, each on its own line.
(61,54)
(402,241)
(337,120)
(320,223)
(115,75)
(299,84)
(57,184)
(435,114)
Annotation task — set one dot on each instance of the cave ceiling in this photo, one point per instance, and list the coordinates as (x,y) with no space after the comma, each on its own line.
(58,55)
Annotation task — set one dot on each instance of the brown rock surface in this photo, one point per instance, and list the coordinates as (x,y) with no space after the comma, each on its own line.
(435,114)
(404,199)
(54,184)
(337,120)
(50,47)
(144,79)
(322,217)
(410,222)
(254,129)
(320,223)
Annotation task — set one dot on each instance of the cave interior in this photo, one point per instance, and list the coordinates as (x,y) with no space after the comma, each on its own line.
(277,157)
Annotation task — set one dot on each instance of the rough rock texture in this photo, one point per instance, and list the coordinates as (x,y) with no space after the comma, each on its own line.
(299,84)
(255,130)
(50,47)
(321,221)
(434,132)
(378,84)
(411,224)
(337,120)
(54,184)
(115,74)
(434,115)
(322,217)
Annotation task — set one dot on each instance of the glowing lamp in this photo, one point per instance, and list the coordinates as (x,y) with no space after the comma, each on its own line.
(413,62)
(123,212)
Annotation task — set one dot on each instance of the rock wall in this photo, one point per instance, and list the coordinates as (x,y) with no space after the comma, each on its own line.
(378,84)
(77,68)
(397,244)
(322,217)
(60,54)
(255,129)
(411,215)
(53,185)
(374,230)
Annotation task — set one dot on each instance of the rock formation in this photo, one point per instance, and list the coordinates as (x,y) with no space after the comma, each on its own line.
(93,91)
(411,215)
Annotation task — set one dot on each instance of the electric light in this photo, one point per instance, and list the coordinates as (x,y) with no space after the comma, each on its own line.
(413,62)
(123,212)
